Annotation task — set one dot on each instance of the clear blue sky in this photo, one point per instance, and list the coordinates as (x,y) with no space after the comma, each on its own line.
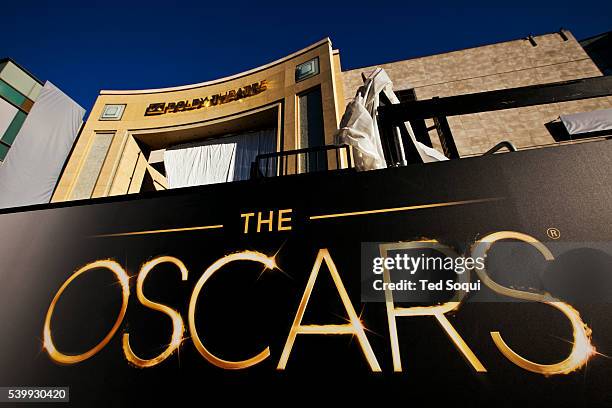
(85,46)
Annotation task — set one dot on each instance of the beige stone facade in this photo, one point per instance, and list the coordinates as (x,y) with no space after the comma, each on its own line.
(113,156)
(498,66)
(127,143)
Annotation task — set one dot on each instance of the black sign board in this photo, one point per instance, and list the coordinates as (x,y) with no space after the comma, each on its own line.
(254,289)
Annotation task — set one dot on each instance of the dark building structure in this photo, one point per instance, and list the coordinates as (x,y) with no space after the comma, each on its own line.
(599,48)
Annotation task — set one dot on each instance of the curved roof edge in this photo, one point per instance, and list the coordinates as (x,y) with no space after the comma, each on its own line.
(216,81)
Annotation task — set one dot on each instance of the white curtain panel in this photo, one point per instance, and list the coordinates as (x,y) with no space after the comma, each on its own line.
(216,161)
(197,165)
(34,162)
(248,147)
(594,121)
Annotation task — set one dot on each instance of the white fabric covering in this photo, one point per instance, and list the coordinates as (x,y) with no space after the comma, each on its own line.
(594,121)
(216,161)
(204,164)
(7,114)
(34,162)
(359,127)
(429,154)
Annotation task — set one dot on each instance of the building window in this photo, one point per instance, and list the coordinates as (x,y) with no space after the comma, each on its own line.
(18,91)
(112,112)
(307,69)
(13,96)
(88,176)
(11,120)
(11,132)
(311,132)
(19,80)
(3,151)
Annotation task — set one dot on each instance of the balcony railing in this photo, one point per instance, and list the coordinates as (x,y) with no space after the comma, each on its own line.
(308,160)
(392,116)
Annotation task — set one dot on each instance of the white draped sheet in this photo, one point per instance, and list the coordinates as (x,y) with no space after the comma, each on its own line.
(359,127)
(35,160)
(585,122)
(217,161)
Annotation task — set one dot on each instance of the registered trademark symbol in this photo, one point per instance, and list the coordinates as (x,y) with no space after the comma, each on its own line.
(553,233)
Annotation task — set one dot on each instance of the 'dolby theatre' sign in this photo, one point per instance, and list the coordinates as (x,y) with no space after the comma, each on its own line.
(161,108)
(216,291)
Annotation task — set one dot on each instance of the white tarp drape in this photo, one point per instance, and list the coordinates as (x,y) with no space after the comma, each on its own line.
(7,114)
(216,161)
(359,128)
(594,121)
(36,158)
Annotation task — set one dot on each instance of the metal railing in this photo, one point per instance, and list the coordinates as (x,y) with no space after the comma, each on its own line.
(393,116)
(307,160)
(505,144)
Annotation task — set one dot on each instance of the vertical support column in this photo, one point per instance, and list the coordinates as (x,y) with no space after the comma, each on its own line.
(446,137)
(387,128)
(420,132)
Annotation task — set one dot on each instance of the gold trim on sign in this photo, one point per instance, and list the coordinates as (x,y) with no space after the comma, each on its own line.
(408,208)
(204,227)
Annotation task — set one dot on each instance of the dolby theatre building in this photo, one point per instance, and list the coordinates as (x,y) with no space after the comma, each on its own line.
(155,139)
(293,102)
